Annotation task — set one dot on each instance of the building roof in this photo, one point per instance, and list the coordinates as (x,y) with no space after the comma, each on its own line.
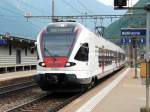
(6,40)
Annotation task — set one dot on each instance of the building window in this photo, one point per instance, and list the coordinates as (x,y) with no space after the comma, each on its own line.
(37,56)
(26,51)
(32,50)
(18,56)
(10,49)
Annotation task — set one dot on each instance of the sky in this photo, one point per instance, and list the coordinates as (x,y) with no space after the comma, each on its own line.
(110,2)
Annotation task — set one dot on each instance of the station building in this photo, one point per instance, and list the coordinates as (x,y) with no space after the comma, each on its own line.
(17,54)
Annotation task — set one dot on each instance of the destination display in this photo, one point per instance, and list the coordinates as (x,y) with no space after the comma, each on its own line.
(60,29)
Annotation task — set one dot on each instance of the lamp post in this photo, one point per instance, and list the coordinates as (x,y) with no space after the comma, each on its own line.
(134,39)
(147,57)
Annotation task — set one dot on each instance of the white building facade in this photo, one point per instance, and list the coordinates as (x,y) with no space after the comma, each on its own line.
(17,54)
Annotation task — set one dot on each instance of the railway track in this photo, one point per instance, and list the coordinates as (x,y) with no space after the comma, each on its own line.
(24,96)
(18,94)
(16,87)
(51,102)
(46,103)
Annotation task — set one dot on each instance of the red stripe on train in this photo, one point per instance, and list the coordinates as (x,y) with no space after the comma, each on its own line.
(55,62)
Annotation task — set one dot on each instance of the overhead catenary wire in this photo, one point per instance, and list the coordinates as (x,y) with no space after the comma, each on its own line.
(70,5)
(16,19)
(31,6)
(83,5)
(11,11)
(12,16)
(17,14)
(87,16)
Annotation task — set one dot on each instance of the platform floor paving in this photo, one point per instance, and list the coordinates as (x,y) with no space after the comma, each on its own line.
(14,75)
(128,95)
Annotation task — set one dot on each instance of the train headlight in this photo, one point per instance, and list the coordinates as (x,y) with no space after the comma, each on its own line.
(42,64)
(69,64)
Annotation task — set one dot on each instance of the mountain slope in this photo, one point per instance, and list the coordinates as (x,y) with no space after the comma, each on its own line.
(113,30)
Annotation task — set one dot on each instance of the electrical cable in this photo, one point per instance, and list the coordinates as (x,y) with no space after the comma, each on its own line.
(72,6)
(31,6)
(11,11)
(84,6)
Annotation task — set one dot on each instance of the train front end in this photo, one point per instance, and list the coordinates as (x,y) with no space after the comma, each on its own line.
(57,69)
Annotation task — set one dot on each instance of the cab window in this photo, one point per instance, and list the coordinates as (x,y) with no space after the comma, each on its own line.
(82,54)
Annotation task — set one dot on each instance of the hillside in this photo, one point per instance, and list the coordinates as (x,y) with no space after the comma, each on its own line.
(113,30)
(12,12)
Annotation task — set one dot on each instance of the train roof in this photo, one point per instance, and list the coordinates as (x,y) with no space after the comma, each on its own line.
(66,23)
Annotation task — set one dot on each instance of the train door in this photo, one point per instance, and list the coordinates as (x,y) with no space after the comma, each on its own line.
(93,61)
(18,56)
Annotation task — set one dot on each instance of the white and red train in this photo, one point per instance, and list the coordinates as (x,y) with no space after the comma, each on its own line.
(72,57)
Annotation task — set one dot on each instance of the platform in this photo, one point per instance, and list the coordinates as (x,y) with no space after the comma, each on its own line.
(14,75)
(120,93)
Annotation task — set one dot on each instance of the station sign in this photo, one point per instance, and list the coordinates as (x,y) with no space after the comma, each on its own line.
(128,34)
(126,41)
(3,42)
(123,41)
(142,40)
(136,32)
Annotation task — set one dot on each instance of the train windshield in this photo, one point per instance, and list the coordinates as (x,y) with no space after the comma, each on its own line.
(58,42)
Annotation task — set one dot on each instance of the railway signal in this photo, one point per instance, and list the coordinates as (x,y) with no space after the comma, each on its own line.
(120,3)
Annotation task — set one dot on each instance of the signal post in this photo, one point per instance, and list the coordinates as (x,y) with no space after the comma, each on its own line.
(145,70)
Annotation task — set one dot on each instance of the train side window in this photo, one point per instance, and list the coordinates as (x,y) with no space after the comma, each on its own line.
(100,57)
(82,54)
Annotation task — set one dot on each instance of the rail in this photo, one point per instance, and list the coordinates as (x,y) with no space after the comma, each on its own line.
(15,87)
(48,102)
(14,109)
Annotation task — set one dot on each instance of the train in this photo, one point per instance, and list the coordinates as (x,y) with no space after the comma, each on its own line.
(73,58)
